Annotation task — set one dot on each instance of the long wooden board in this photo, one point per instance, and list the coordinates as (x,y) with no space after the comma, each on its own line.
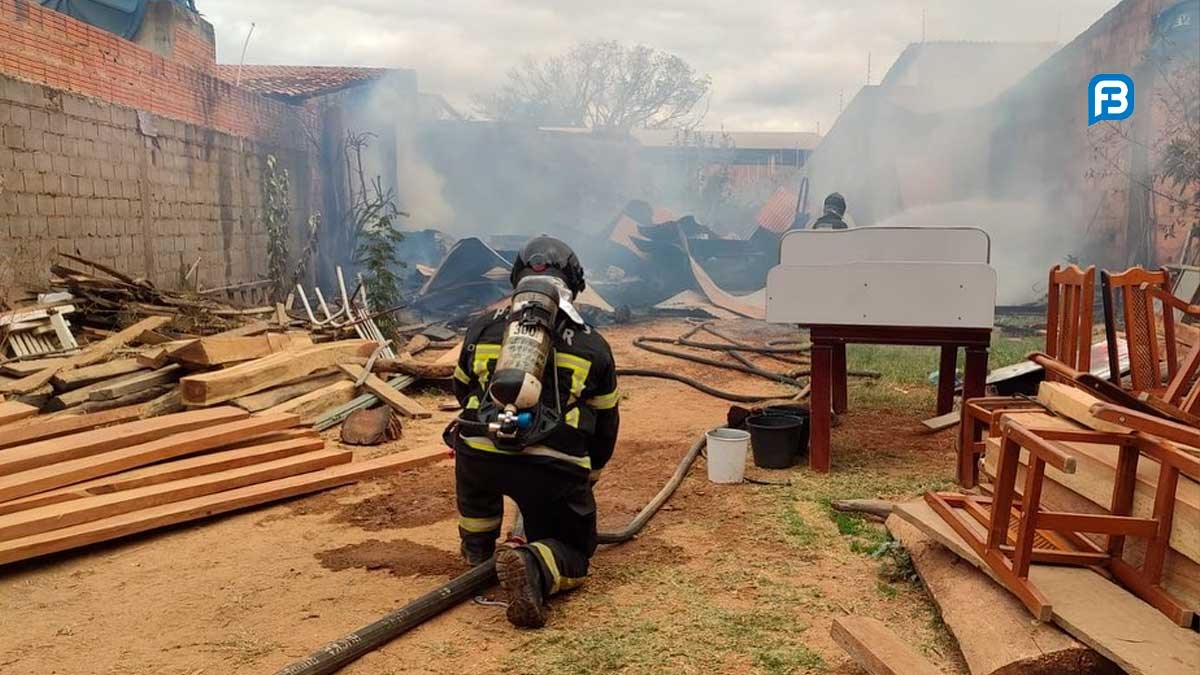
(269,371)
(49,451)
(1097,612)
(27,367)
(284,393)
(393,398)
(210,505)
(57,475)
(877,648)
(39,429)
(14,411)
(270,448)
(87,509)
(221,350)
(134,383)
(993,628)
(82,377)
(93,353)
(1074,403)
(316,403)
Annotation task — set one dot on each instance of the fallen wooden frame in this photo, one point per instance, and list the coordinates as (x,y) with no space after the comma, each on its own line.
(1058,537)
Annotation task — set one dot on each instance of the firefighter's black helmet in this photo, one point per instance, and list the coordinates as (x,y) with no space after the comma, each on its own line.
(835,203)
(545,254)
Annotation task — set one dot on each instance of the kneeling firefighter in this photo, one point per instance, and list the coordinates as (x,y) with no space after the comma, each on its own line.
(538,388)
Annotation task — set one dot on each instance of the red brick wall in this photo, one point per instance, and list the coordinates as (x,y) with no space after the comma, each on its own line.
(47,47)
(193,50)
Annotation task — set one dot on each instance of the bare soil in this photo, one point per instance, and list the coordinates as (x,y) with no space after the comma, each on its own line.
(729,579)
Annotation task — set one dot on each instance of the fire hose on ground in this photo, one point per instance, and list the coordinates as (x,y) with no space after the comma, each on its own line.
(342,652)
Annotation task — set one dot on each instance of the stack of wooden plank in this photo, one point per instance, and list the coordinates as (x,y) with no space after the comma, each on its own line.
(77,480)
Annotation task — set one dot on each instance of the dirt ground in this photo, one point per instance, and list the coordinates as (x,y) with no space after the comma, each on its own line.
(731,579)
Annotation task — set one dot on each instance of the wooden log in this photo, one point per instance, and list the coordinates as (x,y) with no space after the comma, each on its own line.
(37,429)
(82,377)
(203,507)
(49,451)
(93,353)
(48,477)
(876,508)
(269,371)
(135,383)
(284,393)
(56,516)
(217,350)
(393,398)
(410,366)
(1097,612)
(877,649)
(13,411)
(316,403)
(165,404)
(416,345)
(1074,404)
(992,627)
(268,449)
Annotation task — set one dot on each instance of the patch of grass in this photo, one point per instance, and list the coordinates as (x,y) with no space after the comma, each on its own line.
(799,531)
(912,365)
(886,590)
(787,660)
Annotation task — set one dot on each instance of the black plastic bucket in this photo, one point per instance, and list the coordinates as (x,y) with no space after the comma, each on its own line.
(775,439)
(795,410)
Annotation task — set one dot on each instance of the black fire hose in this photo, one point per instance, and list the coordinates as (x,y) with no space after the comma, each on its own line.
(342,652)
(696,384)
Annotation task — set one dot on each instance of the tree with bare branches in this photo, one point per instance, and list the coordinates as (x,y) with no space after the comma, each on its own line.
(603,85)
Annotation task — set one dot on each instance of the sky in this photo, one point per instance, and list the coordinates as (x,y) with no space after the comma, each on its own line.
(781,65)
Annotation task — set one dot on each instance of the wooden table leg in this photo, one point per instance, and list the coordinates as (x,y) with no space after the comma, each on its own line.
(975,377)
(821,405)
(838,379)
(946,371)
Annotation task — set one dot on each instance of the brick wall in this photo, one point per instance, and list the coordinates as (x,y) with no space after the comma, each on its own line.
(47,47)
(78,174)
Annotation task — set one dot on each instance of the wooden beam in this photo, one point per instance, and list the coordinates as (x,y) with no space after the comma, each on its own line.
(30,366)
(312,405)
(37,429)
(93,353)
(135,383)
(82,377)
(56,516)
(877,649)
(992,627)
(1094,610)
(42,478)
(203,507)
(165,404)
(393,398)
(338,415)
(252,328)
(941,422)
(284,393)
(217,350)
(211,462)
(1074,404)
(269,371)
(49,451)
(14,411)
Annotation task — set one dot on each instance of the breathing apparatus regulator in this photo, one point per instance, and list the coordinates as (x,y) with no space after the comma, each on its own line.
(518,410)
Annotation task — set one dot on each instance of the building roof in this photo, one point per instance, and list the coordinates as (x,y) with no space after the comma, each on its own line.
(779,213)
(293,82)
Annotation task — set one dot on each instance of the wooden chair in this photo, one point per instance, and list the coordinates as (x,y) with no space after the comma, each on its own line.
(1055,537)
(1069,313)
(1134,292)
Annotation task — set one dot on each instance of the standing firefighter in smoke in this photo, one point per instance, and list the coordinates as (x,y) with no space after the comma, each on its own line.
(538,388)
(834,216)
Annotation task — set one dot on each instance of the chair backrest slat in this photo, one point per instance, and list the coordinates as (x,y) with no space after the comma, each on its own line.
(1069,316)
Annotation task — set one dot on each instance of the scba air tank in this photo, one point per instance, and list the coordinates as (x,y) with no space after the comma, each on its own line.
(528,339)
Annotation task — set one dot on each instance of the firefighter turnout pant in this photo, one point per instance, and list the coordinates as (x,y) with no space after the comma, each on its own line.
(556,505)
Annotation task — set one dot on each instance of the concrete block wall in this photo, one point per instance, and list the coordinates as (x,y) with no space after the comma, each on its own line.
(146,195)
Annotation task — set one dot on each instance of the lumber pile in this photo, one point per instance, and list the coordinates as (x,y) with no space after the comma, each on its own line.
(62,490)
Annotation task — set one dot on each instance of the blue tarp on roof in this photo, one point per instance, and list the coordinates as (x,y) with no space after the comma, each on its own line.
(122,17)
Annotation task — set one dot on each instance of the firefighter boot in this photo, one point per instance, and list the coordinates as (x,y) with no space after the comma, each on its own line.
(521,579)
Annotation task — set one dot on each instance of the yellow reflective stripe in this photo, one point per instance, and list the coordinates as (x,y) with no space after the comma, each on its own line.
(604,401)
(579,368)
(480,524)
(572,418)
(473,403)
(558,582)
(485,352)
(485,445)
(461,375)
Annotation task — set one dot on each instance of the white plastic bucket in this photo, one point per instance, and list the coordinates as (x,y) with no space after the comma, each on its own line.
(727,455)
